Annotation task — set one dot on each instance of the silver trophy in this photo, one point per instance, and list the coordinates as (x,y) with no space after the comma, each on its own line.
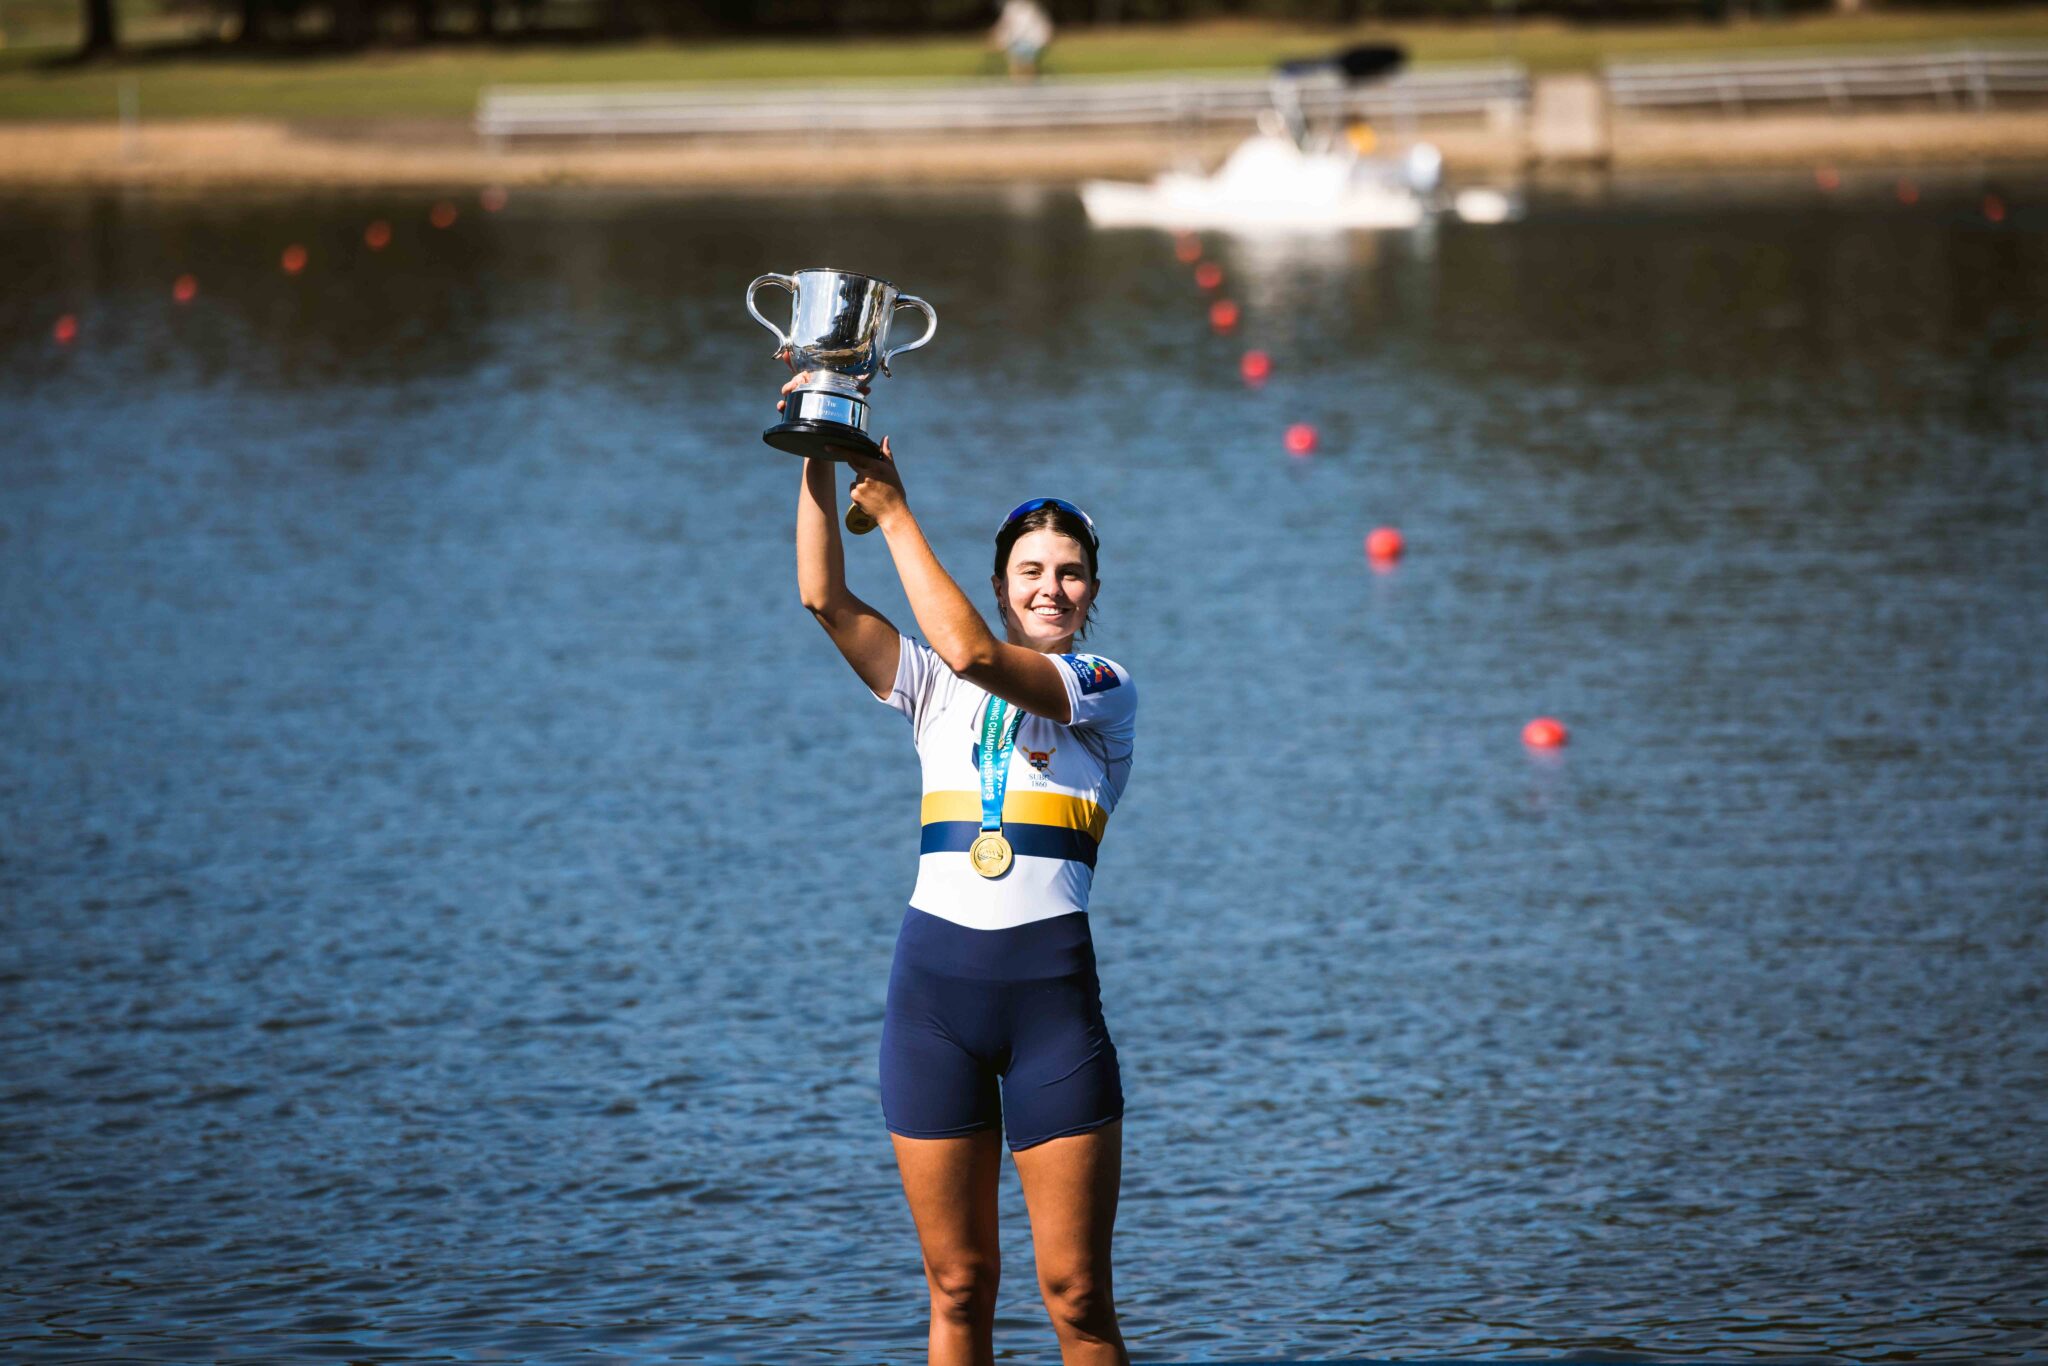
(839,333)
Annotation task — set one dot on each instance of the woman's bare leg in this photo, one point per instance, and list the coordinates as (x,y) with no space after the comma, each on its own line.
(951,1185)
(1070,1187)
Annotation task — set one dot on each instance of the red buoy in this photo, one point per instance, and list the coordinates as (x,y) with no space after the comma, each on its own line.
(185,288)
(377,236)
(1255,367)
(1223,315)
(1994,208)
(1908,192)
(1827,177)
(1544,733)
(442,215)
(492,198)
(1301,439)
(1384,544)
(66,329)
(294,259)
(1187,248)
(1209,275)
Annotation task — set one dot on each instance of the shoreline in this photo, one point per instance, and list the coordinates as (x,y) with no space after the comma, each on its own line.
(259,153)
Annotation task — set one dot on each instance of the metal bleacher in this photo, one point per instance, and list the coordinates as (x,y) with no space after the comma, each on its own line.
(1973,77)
(904,106)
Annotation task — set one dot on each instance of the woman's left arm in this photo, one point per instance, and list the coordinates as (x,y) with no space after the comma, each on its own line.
(950,624)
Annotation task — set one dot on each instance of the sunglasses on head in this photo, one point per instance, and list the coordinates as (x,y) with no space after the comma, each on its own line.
(1030,505)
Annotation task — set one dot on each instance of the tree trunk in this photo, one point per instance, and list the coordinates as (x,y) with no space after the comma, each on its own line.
(100,36)
(423,20)
(351,22)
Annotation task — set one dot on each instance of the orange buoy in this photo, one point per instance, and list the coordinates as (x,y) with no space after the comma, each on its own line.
(377,236)
(185,288)
(294,259)
(1384,544)
(1994,208)
(1255,367)
(1907,191)
(1300,439)
(1209,275)
(442,215)
(492,198)
(1827,177)
(1187,248)
(66,329)
(1223,315)
(1544,733)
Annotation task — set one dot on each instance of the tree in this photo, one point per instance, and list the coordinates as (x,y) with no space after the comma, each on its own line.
(100,37)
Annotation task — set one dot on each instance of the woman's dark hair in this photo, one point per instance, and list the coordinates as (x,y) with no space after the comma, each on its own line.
(1047,518)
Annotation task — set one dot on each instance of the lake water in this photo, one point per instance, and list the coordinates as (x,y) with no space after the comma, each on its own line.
(449,883)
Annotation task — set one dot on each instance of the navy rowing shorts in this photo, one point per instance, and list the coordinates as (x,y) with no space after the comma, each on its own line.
(997,1025)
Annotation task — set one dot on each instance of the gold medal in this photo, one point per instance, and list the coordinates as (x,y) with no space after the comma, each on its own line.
(990,854)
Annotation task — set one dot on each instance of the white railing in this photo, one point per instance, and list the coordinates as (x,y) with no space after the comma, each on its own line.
(940,106)
(1972,76)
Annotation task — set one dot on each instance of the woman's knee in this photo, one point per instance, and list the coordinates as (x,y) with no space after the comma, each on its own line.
(1080,1303)
(965,1291)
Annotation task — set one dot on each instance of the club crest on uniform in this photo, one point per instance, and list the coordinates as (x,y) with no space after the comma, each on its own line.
(1096,673)
(1037,758)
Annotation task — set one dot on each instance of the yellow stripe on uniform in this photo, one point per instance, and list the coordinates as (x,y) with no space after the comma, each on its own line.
(1056,809)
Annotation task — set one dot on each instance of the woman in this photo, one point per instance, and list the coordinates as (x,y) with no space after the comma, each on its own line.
(994,1013)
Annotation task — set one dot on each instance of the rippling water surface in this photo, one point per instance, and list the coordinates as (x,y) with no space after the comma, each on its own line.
(449,884)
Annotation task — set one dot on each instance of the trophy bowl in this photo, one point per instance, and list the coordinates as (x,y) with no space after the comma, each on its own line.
(839,334)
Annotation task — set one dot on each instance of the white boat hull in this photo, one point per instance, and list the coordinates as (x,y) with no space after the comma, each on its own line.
(1187,202)
(1271,184)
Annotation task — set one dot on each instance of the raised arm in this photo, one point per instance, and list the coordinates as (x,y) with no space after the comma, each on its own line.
(862,634)
(951,626)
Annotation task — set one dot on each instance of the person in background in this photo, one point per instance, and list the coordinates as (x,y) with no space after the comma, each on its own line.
(1022,31)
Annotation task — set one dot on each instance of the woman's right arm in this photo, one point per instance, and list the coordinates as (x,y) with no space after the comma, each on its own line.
(863,635)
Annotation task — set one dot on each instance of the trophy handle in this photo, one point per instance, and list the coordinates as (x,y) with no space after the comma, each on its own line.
(931,326)
(788,282)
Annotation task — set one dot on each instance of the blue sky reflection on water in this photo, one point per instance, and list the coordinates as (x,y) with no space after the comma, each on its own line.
(448,882)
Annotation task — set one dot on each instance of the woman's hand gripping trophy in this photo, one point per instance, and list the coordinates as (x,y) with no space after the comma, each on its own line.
(876,485)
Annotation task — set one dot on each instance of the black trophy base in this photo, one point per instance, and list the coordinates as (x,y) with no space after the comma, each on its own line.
(810,437)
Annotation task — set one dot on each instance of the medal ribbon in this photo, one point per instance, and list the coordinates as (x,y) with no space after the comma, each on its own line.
(998,738)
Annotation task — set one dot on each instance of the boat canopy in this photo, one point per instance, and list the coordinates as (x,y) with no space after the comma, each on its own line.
(1357,64)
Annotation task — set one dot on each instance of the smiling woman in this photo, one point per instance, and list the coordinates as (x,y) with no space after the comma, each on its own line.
(1040,574)
(994,1019)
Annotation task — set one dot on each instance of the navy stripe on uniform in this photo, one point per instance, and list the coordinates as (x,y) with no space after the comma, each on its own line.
(1034,841)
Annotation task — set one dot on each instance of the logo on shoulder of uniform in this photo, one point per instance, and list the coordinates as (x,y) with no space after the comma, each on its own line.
(1096,673)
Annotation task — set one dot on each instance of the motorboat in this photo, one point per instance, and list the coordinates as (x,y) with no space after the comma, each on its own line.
(1290,176)
(1271,181)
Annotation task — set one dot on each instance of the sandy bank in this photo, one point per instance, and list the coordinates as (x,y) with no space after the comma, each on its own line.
(266,153)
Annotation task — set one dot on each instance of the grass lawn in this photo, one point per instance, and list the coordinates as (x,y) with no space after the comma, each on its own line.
(442,82)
